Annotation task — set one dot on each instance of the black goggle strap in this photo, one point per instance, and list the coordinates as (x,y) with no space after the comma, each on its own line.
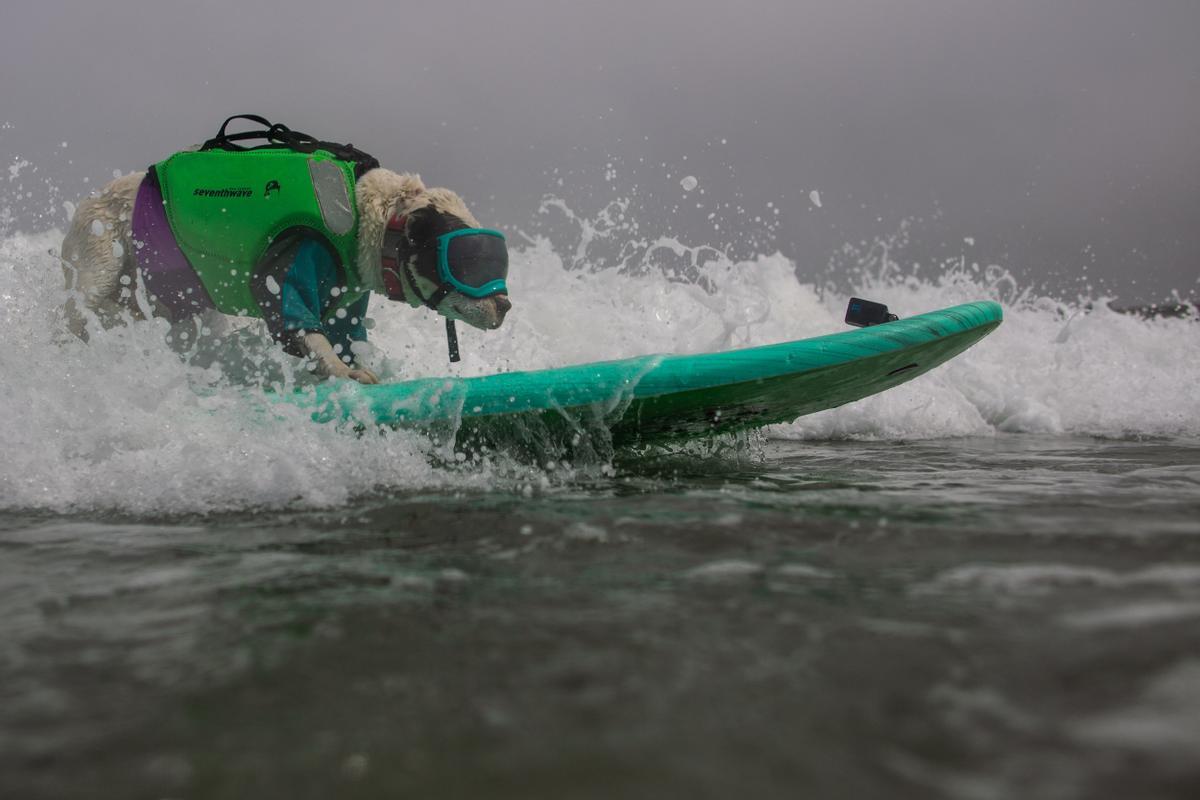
(451,332)
(394,238)
(452,341)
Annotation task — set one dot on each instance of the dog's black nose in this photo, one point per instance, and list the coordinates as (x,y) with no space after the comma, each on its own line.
(502,303)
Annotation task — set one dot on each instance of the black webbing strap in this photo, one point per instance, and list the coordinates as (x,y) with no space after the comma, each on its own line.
(278,135)
(452,340)
(438,296)
(431,303)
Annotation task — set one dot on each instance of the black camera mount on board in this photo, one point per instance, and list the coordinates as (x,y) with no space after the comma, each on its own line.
(864,313)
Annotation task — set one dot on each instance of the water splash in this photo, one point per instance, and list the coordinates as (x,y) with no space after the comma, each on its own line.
(117,423)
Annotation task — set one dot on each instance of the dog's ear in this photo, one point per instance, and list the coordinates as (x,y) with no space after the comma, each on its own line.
(421,225)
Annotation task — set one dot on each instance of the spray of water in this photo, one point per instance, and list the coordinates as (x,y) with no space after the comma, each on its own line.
(119,422)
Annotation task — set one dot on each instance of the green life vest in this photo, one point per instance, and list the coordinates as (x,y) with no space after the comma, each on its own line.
(237,214)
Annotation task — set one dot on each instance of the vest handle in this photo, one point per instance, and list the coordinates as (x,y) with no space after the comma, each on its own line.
(279,135)
(274,133)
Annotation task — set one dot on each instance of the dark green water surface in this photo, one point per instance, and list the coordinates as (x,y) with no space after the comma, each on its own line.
(1006,617)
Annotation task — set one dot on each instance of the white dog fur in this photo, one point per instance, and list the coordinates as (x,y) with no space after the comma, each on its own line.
(99,262)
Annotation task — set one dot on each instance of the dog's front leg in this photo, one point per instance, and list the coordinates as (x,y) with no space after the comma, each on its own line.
(328,363)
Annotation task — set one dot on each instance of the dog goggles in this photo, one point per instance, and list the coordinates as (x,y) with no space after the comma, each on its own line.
(473,261)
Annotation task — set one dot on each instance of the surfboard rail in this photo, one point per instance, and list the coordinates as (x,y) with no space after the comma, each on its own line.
(654,397)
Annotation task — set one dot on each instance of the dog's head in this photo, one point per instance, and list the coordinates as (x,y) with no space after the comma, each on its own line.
(435,254)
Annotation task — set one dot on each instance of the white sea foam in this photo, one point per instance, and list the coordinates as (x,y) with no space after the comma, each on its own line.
(1035,579)
(116,422)
(1132,615)
(1163,723)
(729,570)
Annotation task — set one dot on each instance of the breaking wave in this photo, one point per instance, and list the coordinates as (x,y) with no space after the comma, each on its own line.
(117,423)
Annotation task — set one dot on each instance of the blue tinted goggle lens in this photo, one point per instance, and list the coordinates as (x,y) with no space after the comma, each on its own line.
(474,261)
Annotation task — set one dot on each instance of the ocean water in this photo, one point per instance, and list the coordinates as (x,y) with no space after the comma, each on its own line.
(982,584)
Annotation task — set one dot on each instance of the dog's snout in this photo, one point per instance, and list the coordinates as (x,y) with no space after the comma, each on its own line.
(502,304)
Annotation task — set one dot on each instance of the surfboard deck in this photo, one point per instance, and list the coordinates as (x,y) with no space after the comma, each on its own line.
(655,398)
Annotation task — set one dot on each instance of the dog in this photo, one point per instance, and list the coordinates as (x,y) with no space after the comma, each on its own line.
(101,266)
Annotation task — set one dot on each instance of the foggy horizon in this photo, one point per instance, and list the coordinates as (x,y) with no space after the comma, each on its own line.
(1058,142)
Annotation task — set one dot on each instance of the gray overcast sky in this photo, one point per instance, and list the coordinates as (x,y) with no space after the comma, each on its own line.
(1057,134)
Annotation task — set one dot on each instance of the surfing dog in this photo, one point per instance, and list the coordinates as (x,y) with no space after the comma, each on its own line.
(101,268)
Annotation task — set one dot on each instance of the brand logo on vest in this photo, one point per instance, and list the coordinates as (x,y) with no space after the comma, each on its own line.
(272,186)
(239,191)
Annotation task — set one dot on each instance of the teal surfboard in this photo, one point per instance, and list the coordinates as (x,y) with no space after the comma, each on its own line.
(657,398)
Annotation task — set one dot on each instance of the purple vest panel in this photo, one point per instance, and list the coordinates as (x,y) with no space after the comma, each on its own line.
(165,269)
